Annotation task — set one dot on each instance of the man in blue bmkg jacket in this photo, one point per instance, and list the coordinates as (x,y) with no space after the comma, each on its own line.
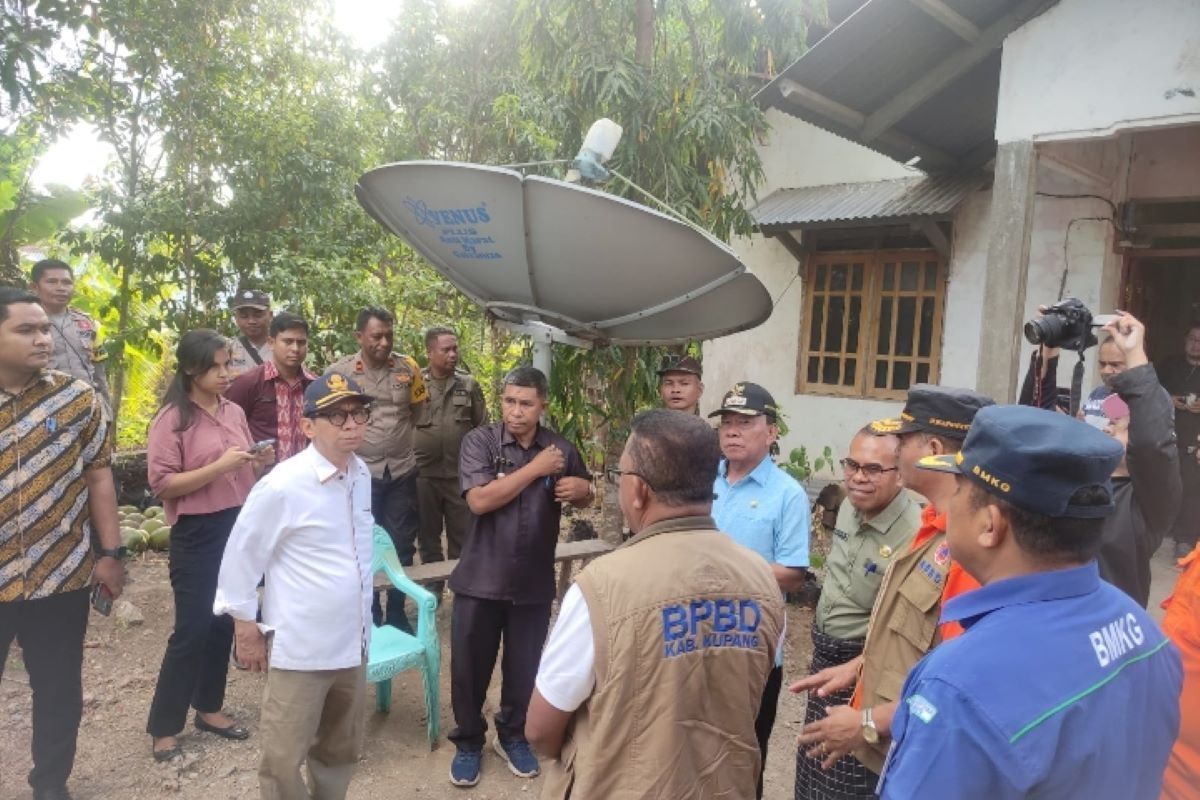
(1062,686)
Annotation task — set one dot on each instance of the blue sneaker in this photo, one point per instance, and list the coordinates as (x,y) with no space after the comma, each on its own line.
(519,757)
(464,769)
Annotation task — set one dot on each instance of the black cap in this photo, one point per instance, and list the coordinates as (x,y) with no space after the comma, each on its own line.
(942,410)
(678,363)
(328,390)
(250,298)
(748,399)
(1035,459)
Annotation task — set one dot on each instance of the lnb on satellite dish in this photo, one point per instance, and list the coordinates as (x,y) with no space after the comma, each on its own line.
(598,146)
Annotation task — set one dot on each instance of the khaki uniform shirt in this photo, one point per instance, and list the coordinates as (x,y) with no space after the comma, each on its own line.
(398,400)
(455,407)
(904,627)
(240,359)
(76,350)
(859,555)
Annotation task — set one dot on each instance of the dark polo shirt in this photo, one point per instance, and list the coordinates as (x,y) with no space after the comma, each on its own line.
(509,553)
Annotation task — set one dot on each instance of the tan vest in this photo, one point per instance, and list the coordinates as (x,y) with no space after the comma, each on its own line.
(685,623)
(904,627)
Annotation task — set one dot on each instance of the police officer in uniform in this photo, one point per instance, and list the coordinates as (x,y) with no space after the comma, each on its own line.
(75,334)
(398,399)
(455,407)
(252,346)
(1062,686)
(662,649)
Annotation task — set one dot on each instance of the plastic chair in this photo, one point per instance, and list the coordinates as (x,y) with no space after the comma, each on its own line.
(393,651)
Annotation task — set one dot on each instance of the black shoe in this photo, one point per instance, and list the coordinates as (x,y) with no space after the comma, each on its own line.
(162,756)
(235,732)
(59,793)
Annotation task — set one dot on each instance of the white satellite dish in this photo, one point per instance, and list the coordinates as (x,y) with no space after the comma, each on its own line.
(540,252)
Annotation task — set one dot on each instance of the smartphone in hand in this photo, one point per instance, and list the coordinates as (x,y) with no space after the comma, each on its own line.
(102,599)
(260,446)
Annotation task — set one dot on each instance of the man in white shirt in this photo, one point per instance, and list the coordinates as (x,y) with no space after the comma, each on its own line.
(307,528)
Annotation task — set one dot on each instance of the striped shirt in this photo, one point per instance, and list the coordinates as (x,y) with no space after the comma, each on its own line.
(50,433)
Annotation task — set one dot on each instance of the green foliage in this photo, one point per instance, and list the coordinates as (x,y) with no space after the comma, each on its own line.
(239,128)
(799,466)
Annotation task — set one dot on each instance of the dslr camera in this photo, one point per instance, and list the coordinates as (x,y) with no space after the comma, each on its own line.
(1067,324)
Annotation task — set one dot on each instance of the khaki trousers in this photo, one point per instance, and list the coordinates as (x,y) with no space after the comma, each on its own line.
(319,716)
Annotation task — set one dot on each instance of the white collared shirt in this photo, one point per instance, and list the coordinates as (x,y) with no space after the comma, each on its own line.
(307,529)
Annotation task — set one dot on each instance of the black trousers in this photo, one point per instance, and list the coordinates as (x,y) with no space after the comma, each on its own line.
(50,631)
(764,723)
(394,506)
(1187,524)
(196,663)
(476,629)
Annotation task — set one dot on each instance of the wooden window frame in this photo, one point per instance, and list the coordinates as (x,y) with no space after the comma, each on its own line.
(866,355)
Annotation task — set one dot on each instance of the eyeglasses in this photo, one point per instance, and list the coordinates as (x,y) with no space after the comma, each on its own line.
(613,476)
(871,471)
(338,418)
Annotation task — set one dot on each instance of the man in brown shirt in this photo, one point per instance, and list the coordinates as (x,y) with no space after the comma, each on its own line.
(57,502)
(455,407)
(515,475)
(398,399)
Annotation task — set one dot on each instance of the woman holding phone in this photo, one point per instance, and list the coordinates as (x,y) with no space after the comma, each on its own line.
(201,463)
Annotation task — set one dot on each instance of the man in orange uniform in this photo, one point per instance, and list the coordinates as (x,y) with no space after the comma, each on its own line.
(1181,781)
(904,622)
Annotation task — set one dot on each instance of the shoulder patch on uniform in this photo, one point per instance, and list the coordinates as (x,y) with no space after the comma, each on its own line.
(921,708)
(942,555)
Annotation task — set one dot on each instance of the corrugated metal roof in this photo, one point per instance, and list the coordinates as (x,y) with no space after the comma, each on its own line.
(886,47)
(923,196)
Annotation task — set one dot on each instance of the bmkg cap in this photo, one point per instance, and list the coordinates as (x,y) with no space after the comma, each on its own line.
(1035,459)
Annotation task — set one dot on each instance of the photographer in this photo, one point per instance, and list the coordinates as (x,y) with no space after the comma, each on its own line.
(1146,482)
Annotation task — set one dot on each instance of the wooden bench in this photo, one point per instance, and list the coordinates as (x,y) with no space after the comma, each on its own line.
(565,554)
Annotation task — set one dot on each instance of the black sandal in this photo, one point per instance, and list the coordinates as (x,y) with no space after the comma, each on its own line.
(234,732)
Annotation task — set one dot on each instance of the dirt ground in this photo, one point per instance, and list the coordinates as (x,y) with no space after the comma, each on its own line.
(120,668)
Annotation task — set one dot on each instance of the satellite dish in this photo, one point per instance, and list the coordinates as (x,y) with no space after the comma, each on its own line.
(541,252)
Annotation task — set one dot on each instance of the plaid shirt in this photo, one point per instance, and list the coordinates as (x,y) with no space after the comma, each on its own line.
(289,408)
(50,433)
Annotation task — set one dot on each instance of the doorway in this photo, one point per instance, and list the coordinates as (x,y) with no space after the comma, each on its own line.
(1164,293)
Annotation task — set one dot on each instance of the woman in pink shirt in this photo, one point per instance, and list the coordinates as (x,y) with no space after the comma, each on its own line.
(201,466)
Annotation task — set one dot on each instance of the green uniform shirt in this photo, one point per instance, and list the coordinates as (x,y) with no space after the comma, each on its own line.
(455,407)
(859,554)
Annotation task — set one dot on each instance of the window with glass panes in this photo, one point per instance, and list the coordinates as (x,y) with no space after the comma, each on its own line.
(872,322)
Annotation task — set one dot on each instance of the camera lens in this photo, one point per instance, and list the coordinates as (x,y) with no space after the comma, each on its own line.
(1048,330)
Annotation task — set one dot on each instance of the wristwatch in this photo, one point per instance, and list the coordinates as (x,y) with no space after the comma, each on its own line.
(870,733)
(118,553)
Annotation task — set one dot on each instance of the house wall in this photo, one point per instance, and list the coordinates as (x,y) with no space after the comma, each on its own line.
(798,154)
(1165,164)
(1088,68)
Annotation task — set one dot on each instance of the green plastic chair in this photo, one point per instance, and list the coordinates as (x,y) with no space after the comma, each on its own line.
(393,651)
